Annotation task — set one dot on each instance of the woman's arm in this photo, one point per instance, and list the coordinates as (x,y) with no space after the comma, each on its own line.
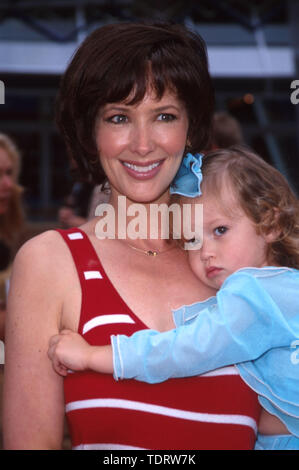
(33,411)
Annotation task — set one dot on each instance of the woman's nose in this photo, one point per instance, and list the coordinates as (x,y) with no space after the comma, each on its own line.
(142,140)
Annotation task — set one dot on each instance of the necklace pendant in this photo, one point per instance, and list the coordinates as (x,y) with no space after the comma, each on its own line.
(152,253)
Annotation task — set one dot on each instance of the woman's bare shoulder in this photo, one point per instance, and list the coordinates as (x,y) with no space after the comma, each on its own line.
(45,253)
(49,244)
(40,275)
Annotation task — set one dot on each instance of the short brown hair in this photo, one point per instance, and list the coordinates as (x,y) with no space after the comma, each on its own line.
(264,195)
(119,59)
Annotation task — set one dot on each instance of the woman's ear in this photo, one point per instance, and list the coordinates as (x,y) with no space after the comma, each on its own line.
(188,145)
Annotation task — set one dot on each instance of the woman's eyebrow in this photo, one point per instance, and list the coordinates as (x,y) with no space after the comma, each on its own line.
(128,107)
(116,108)
(166,108)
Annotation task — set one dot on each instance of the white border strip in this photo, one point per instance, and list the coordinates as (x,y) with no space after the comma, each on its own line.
(242,420)
(106,320)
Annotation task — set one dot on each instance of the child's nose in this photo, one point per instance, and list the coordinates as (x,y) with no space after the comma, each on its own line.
(207,251)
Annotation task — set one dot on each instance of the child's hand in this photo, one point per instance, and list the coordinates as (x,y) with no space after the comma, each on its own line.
(69,350)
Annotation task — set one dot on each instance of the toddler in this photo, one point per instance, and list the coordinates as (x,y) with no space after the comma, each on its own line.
(250,254)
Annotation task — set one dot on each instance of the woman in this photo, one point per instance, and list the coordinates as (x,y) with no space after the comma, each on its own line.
(133,99)
(11,215)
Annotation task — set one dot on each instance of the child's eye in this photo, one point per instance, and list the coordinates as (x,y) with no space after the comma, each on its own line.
(221,230)
(117,119)
(166,117)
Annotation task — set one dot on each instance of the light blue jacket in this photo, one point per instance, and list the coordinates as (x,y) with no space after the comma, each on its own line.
(252,322)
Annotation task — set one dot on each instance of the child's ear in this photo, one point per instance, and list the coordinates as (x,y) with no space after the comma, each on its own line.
(275,233)
(272,236)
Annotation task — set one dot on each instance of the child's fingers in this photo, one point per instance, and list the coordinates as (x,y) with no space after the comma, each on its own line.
(62,370)
(53,343)
(66,332)
(54,340)
(51,351)
(59,367)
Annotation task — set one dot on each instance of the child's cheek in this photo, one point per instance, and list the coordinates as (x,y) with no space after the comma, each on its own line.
(196,263)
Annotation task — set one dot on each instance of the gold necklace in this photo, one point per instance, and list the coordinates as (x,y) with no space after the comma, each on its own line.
(150,252)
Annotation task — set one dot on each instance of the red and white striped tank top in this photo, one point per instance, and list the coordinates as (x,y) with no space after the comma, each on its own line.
(214,411)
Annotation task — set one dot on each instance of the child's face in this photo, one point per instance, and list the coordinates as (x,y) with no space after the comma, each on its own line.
(230,242)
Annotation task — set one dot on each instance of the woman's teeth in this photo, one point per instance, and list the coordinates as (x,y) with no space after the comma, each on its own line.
(141,169)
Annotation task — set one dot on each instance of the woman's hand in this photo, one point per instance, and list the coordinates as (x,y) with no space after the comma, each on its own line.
(69,350)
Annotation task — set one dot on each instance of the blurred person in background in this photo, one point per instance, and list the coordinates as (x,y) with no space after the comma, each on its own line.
(80,204)
(227,131)
(11,215)
(75,208)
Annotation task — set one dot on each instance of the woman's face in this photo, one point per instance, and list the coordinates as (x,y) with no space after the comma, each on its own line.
(6,180)
(141,145)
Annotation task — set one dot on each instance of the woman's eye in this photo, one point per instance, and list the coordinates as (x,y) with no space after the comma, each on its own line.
(220,230)
(166,117)
(118,119)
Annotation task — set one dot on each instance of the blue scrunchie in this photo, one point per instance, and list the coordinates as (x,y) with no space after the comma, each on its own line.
(189,176)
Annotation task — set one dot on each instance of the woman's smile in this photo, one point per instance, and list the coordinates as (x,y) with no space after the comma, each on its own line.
(143,170)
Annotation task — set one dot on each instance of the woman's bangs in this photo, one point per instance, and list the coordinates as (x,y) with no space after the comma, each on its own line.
(132,86)
(137,79)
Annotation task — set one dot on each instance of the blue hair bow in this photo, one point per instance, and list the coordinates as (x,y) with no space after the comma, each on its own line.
(189,176)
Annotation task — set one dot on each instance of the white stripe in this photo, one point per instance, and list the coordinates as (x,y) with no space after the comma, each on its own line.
(106,320)
(92,275)
(162,410)
(231,370)
(75,236)
(106,446)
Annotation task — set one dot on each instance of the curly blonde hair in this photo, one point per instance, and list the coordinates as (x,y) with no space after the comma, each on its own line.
(12,221)
(264,195)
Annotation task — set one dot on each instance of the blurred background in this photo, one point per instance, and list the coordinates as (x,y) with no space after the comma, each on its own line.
(253,49)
